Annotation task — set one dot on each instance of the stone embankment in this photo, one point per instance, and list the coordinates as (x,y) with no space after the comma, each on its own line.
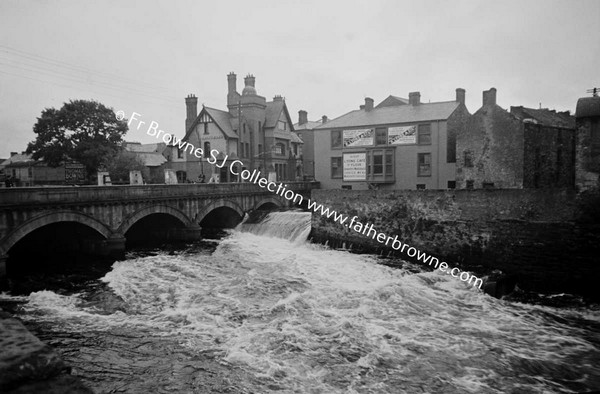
(27,365)
(547,241)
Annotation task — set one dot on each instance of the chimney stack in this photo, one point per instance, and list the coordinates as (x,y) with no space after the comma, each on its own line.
(250,80)
(277,98)
(489,97)
(362,106)
(324,119)
(302,117)
(191,104)
(13,153)
(414,98)
(231,83)
(368,104)
(460,95)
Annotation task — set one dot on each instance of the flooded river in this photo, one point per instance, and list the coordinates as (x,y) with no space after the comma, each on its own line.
(261,310)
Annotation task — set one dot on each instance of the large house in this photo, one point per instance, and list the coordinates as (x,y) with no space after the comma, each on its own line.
(398,144)
(258,133)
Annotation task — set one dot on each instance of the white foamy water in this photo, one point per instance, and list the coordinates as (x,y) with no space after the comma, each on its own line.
(302,318)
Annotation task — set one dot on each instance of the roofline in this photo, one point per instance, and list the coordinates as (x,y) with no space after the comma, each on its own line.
(195,123)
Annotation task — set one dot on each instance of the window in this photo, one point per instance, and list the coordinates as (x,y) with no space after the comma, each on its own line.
(205,128)
(336,167)
(247,149)
(336,139)
(488,185)
(181,176)
(424,134)
(30,172)
(470,184)
(282,125)
(424,164)
(207,149)
(347,187)
(451,147)
(380,165)
(279,149)
(260,149)
(179,153)
(381,136)
(451,184)
(421,186)
(244,128)
(468,158)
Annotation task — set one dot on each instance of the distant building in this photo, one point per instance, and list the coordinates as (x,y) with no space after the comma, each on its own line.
(523,148)
(305,130)
(152,157)
(24,171)
(398,144)
(258,133)
(588,143)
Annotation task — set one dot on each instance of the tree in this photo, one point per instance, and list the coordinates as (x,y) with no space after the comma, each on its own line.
(82,130)
(119,165)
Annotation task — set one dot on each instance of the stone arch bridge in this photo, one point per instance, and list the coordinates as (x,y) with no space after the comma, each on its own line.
(110,212)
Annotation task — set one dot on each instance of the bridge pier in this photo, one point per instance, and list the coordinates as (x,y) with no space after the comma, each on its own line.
(186,234)
(3,259)
(114,246)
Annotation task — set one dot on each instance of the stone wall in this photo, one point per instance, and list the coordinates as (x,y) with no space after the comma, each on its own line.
(549,239)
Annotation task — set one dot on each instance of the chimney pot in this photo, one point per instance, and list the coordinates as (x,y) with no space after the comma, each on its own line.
(302,117)
(460,95)
(489,97)
(324,119)
(231,83)
(368,104)
(414,98)
(362,106)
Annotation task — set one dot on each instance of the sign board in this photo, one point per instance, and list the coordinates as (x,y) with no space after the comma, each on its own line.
(104,178)
(135,178)
(355,166)
(360,137)
(74,173)
(402,135)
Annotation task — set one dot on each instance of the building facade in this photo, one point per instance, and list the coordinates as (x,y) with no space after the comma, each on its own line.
(257,133)
(398,144)
(306,131)
(523,148)
(587,171)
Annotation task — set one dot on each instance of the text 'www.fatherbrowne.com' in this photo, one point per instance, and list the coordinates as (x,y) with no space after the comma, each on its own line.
(280,189)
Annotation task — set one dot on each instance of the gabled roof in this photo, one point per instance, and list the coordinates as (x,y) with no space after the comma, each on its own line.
(392,101)
(273,113)
(221,118)
(545,117)
(296,139)
(396,114)
(18,158)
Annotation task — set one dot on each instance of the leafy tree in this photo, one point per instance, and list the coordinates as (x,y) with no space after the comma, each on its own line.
(82,130)
(119,165)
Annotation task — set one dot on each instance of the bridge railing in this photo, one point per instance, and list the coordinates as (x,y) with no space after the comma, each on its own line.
(76,194)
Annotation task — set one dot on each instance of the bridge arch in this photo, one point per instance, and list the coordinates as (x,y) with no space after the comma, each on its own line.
(45,219)
(146,211)
(268,201)
(219,204)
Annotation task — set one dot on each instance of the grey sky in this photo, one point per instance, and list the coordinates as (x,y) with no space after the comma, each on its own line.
(322,56)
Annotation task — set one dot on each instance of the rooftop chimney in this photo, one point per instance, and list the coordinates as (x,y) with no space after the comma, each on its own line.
(13,153)
(324,119)
(362,106)
(231,83)
(302,117)
(414,98)
(250,80)
(277,98)
(191,104)
(368,104)
(489,97)
(460,95)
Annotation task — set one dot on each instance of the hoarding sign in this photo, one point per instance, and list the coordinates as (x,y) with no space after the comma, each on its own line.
(355,166)
(74,173)
(402,135)
(359,137)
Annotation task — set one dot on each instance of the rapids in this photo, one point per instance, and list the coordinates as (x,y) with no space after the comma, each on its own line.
(262,310)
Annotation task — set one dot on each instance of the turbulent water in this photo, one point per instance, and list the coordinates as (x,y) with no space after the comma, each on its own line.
(260,313)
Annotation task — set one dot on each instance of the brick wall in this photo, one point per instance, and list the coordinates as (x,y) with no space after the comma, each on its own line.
(549,240)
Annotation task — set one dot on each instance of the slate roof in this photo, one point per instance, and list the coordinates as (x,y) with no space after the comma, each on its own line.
(396,114)
(391,101)
(16,159)
(295,138)
(223,120)
(147,148)
(273,113)
(307,126)
(545,117)
(151,159)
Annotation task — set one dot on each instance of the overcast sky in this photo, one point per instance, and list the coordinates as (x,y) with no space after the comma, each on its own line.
(322,56)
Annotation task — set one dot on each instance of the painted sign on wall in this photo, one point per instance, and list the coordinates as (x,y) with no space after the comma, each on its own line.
(359,137)
(355,166)
(402,135)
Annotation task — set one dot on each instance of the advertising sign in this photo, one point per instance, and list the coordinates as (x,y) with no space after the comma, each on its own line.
(360,137)
(402,135)
(355,166)
(74,173)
